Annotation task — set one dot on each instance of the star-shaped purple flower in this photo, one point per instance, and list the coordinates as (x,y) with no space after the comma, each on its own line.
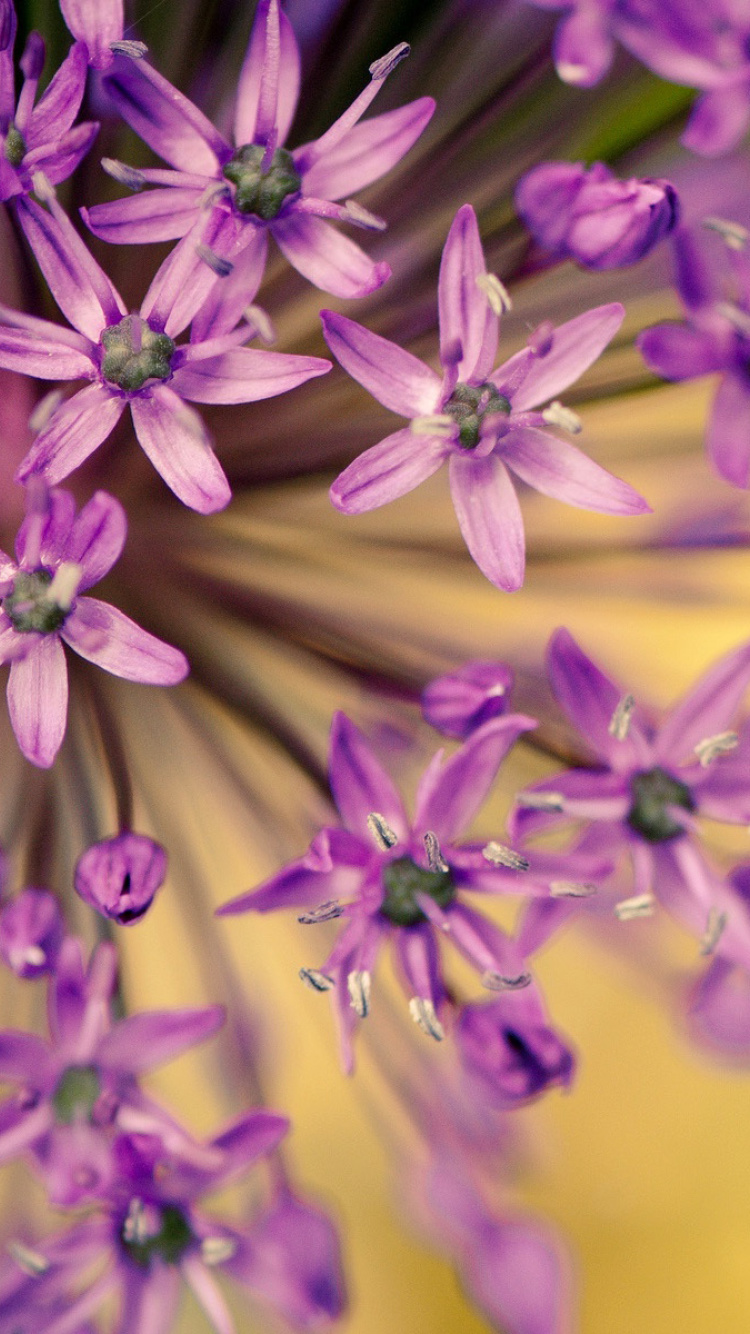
(59,555)
(260,186)
(482,422)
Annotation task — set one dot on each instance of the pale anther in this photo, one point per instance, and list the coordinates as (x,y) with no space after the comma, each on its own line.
(325,912)
(423,1013)
(712,746)
(362,217)
(381,831)
(33,954)
(65,584)
(498,855)
(641,905)
(619,723)
(496,292)
(435,859)
(134,1227)
(316,980)
(733,234)
(714,931)
(380,69)
(123,174)
(571,889)
(439,423)
(358,985)
(556,414)
(261,323)
(737,317)
(135,50)
(215,1250)
(221,267)
(495,981)
(541,801)
(31,1262)
(43,187)
(44,410)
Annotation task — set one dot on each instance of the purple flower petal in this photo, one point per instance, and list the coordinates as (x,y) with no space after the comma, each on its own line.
(466,318)
(207,1293)
(173,437)
(164,118)
(228,299)
(449,800)
(31,932)
(97,23)
(57,109)
(9,24)
(679,352)
(368,151)
(39,353)
(22,1056)
(38,700)
(155,215)
(59,158)
(151,1300)
(490,518)
(460,701)
(419,962)
(690,889)
(286,82)
(718,119)
(583,46)
(719,1010)
(144,1041)
(707,709)
(183,282)
(248,1138)
(393,376)
(387,471)
(558,469)
(326,258)
(102,634)
(73,432)
(359,784)
(45,530)
(81,289)
(589,698)
(97,538)
(728,435)
(245,375)
(722,791)
(575,346)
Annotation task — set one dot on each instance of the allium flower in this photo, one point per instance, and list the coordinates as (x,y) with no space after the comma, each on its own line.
(259,185)
(482,422)
(31,932)
(509,1049)
(120,876)
(461,701)
(59,555)
(590,216)
(649,785)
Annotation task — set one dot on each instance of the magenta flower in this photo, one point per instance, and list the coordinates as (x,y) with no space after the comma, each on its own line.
(59,555)
(509,1049)
(715,338)
(120,876)
(584,45)
(42,137)
(479,420)
(459,702)
(590,216)
(392,878)
(258,185)
(31,932)
(648,784)
(132,360)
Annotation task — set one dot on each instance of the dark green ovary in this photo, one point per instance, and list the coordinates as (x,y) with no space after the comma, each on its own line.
(469,404)
(135,353)
(653,791)
(402,881)
(262,193)
(14,147)
(75,1095)
(28,607)
(168,1244)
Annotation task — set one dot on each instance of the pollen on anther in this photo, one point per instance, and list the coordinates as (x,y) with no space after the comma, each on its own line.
(358,985)
(435,858)
(712,746)
(714,930)
(423,1013)
(496,292)
(381,831)
(498,855)
(641,905)
(495,981)
(619,723)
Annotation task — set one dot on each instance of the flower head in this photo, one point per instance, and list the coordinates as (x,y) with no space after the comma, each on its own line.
(120,876)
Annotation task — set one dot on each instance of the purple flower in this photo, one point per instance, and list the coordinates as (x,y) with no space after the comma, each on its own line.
(97,24)
(120,876)
(132,359)
(42,137)
(259,185)
(647,784)
(458,702)
(31,932)
(79,1092)
(481,421)
(510,1051)
(719,1003)
(716,337)
(584,44)
(590,216)
(59,555)
(392,878)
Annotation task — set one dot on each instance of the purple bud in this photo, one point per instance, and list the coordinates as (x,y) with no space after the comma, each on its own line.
(461,701)
(508,1047)
(291,1257)
(120,876)
(592,217)
(32,60)
(31,933)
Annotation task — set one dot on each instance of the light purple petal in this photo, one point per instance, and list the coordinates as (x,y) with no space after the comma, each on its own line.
(97,538)
(583,47)
(207,1293)
(98,23)
(575,346)
(7,65)
(561,470)
(288,79)
(228,298)
(722,791)
(718,120)
(154,215)
(247,1139)
(679,352)
(144,1041)
(59,158)
(359,784)
(38,700)
(326,258)
(102,634)
(466,318)
(589,698)
(57,109)
(387,471)
(690,889)
(728,435)
(719,1009)
(245,375)
(183,282)
(419,961)
(45,357)
(393,376)
(173,437)
(448,803)
(22,1056)
(73,432)
(707,709)
(66,999)
(81,289)
(368,151)
(490,518)
(151,1300)
(164,118)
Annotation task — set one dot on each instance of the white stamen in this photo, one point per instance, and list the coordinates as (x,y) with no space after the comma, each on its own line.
(215,1250)
(64,585)
(43,188)
(570,72)
(738,318)
(31,954)
(135,50)
(496,292)
(714,931)
(571,889)
(381,831)
(123,174)
(44,409)
(712,746)
(134,1227)
(435,859)
(316,980)
(500,982)
(556,414)
(438,424)
(641,905)
(358,985)
(325,912)
(619,723)
(498,855)
(732,234)
(31,1262)
(221,267)
(423,1013)
(261,322)
(380,69)
(362,217)
(541,801)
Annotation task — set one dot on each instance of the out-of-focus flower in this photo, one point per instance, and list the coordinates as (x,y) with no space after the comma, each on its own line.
(460,701)
(584,44)
(508,1047)
(120,876)
(31,932)
(592,217)
(481,422)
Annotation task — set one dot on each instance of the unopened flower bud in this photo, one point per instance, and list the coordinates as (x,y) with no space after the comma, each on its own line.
(459,702)
(31,933)
(120,876)
(506,1044)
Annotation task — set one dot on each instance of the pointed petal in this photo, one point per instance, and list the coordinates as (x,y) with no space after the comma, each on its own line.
(151,1300)
(97,538)
(419,961)
(368,151)
(102,634)
(589,698)
(41,354)
(144,1041)
(81,289)
(393,376)
(728,435)
(287,79)
(689,888)
(247,1139)
(22,1056)
(707,709)
(57,109)
(154,215)
(326,258)
(575,346)
(718,120)
(59,158)
(164,118)
(38,700)
(387,471)
(98,23)
(679,352)
(245,375)
(184,281)
(466,318)
(583,46)
(359,784)
(72,433)
(490,518)
(207,1294)
(228,299)
(448,803)
(559,469)
(173,437)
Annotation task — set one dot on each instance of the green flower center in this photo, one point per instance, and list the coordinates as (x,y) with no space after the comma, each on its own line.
(15,146)
(75,1095)
(135,353)
(168,1243)
(402,881)
(262,192)
(469,404)
(28,605)
(653,791)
